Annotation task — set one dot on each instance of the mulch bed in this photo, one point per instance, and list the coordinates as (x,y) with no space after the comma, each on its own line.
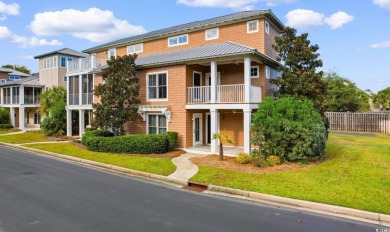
(171,154)
(230,163)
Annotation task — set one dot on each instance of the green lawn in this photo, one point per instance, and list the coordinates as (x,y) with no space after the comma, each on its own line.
(161,166)
(28,137)
(355,174)
(8,131)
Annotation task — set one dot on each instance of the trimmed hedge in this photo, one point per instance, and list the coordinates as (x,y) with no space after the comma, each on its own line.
(6,126)
(105,141)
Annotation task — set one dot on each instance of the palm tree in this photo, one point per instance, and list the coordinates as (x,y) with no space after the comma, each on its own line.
(223,138)
(51,96)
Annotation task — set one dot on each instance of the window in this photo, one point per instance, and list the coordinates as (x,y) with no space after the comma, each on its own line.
(50,62)
(266,27)
(37,117)
(271,73)
(157,86)
(254,71)
(252,26)
(137,48)
(63,62)
(111,52)
(3,81)
(157,124)
(212,34)
(177,40)
(65,78)
(267,72)
(12,77)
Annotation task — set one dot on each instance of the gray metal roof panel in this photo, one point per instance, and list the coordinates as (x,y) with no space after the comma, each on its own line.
(65,51)
(28,81)
(220,19)
(14,72)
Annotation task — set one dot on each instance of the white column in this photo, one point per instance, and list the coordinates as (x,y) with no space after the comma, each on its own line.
(21,118)
(247,131)
(12,115)
(68,122)
(214,129)
(213,85)
(247,79)
(80,89)
(11,96)
(2,96)
(81,123)
(21,95)
(93,61)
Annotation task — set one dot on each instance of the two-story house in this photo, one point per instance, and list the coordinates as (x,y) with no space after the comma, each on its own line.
(7,74)
(197,78)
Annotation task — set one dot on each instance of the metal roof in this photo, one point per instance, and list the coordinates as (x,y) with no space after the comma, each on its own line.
(14,72)
(28,81)
(64,51)
(190,26)
(203,52)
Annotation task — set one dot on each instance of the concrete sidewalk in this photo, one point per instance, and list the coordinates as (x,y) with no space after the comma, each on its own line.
(185,168)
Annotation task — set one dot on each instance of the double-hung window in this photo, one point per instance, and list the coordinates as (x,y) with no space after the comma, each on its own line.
(177,40)
(137,48)
(13,77)
(254,71)
(212,34)
(157,124)
(266,27)
(157,86)
(252,26)
(111,52)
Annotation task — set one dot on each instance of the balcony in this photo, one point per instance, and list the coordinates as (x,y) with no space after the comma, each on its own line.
(85,64)
(31,99)
(225,94)
(86,99)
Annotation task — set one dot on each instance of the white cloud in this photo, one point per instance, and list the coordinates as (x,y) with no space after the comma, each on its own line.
(93,24)
(382,3)
(234,4)
(7,35)
(27,57)
(3,17)
(10,9)
(302,18)
(338,19)
(384,44)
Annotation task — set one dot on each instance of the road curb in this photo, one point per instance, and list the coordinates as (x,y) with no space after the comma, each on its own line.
(355,214)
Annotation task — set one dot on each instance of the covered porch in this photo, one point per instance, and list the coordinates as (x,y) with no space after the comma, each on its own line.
(206,150)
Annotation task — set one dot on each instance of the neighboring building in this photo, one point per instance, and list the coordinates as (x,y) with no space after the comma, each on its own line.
(53,66)
(197,78)
(21,98)
(7,74)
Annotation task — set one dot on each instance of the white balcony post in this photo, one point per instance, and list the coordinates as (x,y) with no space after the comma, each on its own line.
(21,95)
(93,61)
(213,85)
(81,123)
(214,129)
(247,131)
(247,79)
(12,115)
(21,118)
(80,89)
(67,89)
(2,96)
(11,96)
(68,122)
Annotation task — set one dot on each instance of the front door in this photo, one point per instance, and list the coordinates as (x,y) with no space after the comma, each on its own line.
(27,118)
(197,129)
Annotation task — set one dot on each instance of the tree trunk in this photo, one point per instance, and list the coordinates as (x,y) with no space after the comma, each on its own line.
(220,151)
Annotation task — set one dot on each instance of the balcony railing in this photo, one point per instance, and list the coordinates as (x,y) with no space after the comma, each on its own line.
(30,99)
(224,94)
(86,99)
(85,64)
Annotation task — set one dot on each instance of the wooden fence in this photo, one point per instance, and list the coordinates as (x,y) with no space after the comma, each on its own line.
(359,122)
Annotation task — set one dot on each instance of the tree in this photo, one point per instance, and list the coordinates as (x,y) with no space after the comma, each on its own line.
(55,124)
(344,95)
(299,76)
(4,116)
(223,138)
(50,97)
(118,96)
(382,98)
(20,68)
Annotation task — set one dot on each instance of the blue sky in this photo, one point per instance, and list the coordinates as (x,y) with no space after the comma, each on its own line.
(353,36)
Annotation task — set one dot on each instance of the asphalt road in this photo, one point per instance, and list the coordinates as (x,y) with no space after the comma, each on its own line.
(43,194)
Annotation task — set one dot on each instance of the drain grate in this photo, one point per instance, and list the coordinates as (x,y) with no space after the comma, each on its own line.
(196,186)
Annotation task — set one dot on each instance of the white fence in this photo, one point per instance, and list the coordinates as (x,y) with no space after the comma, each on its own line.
(359,122)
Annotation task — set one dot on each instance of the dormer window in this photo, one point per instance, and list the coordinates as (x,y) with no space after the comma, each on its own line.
(111,52)
(178,40)
(252,26)
(212,34)
(137,48)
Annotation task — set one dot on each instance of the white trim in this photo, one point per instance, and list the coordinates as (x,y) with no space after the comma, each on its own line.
(211,38)
(147,121)
(147,87)
(266,26)
(108,52)
(258,69)
(134,45)
(200,116)
(178,44)
(257,26)
(219,106)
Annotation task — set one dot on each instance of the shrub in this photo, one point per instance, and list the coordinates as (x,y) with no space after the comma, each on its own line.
(105,141)
(273,160)
(6,126)
(258,159)
(4,116)
(88,129)
(55,124)
(244,158)
(289,128)
(172,139)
